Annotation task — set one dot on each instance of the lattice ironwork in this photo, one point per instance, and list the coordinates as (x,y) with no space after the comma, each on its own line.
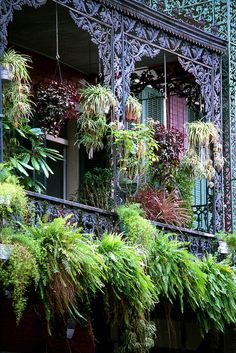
(91,220)
(218,16)
(123,40)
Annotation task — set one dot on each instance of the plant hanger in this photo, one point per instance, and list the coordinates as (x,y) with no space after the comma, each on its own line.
(58,66)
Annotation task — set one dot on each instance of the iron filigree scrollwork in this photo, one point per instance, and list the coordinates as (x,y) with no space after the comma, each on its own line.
(7,7)
(98,22)
(124,40)
(89,221)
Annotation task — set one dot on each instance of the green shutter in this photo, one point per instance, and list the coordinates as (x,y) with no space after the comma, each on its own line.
(152,103)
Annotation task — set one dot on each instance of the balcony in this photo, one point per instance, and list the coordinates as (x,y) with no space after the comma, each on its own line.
(91,219)
(96,221)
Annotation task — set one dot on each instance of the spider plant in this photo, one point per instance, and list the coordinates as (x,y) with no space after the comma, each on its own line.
(91,131)
(17,104)
(136,149)
(133,109)
(205,148)
(96,100)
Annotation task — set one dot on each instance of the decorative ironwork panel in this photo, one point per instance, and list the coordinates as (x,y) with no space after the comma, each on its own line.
(91,221)
(198,243)
(7,7)
(210,15)
(123,40)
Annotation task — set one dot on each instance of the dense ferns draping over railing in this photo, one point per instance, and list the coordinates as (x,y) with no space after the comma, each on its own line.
(96,221)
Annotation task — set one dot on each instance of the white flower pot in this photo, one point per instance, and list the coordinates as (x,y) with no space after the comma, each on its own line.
(5,251)
(223,247)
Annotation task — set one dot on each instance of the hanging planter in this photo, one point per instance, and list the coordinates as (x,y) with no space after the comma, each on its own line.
(136,150)
(96,103)
(97,100)
(204,152)
(133,109)
(5,72)
(5,251)
(56,102)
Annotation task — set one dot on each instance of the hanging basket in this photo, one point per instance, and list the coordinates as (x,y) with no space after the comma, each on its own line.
(56,102)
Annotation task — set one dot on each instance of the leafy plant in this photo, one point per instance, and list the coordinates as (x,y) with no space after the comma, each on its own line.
(136,149)
(19,274)
(70,268)
(17,104)
(96,100)
(205,147)
(13,200)
(92,130)
(129,292)
(163,207)
(56,102)
(24,149)
(170,151)
(206,286)
(133,109)
(96,188)
(176,273)
(137,228)
(219,305)
(25,159)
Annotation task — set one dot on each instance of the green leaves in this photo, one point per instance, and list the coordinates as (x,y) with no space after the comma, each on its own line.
(207,286)
(125,272)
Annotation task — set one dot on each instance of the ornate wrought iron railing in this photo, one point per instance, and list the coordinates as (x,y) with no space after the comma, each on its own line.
(90,219)
(96,221)
(202,218)
(199,243)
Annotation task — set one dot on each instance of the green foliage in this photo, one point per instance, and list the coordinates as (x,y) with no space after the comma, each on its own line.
(16,96)
(129,292)
(219,305)
(133,109)
(13,202)
(91,131)
(95,99)
(138,229)
(24,147)
(136,149)
(69,266)
(96,102)
(207,286)
(139,337)
(185,185)
(203,139)
(96,188)
(20,272)
(125,272)
(176,273)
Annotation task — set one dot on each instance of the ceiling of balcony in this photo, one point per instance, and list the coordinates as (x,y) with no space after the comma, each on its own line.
(34,29)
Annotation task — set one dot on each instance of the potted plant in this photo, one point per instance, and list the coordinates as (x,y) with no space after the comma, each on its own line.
(56,102)
(204,150)
(133,109)
(96,102)
(136,149)
(96,99)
